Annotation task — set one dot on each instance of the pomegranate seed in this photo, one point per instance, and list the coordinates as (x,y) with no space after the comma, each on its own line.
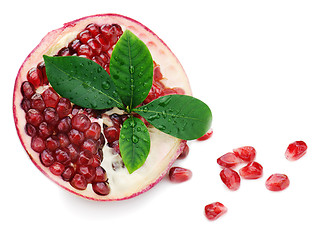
(296,150)
(96,160)
(85,158)
(25,104)
(246,153)
(46,158)
(84,36)
(37,102)
(51,116)
(93,131)
(228,160)
(68,173)
(34,77)
(65,52)
(73,152)
(64,125)
(31,130)
(105,44)
(34,117)
(277,182)
(80,122)
(57,168)
(27,89)
(157,75)
(45,130)
(52,143)
(105,57)
(178,174)
(74,45)
(101,141)
(93,29)
(98,60)
(38,144)
(115,146)
(116,120)
(251,171)
(79,182)
(230,178)
(206,136)
(88,172)
(76,137)
(62,156)
(85,50)
(100,174)
(42,68)
(101,188)
(95,46)
(214,210)
(50,97)
(64,107)
(111,133)
(63,140)
(184,153)
(90,145)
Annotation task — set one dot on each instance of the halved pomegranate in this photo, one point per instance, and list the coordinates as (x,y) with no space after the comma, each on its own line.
(79,148)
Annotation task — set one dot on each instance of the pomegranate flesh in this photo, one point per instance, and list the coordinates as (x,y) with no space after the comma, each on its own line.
(78,148)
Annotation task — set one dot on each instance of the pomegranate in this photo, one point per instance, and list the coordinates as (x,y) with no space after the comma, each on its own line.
(78,148)
(296,150)
(277,182)
(214,210)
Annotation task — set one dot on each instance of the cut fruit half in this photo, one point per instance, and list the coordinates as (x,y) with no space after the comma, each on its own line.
(78,148)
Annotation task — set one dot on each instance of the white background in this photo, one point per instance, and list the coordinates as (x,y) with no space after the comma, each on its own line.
(255,63)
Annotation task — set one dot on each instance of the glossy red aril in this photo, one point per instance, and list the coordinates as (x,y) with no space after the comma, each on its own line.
(230,178)
(206,136)
(214,210)
(277,182)
(179,174)
(246,153)
(228,160)
(252,170)
(296,150)
(184,153)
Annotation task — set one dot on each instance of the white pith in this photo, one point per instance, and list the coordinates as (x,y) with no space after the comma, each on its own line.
(164,148)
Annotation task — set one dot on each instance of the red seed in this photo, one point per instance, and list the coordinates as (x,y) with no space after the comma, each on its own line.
(101,188)
(42,68)
(73,152)
(68,173)
(45,130)
(246,153)
(63,140)
(62,156)
(230,178)
(57,168)
(80,122)
(93,29)
(50,97)
(79,182)
(100,175)
(184,153)
(277,182)
(252,170)
(206,136)
(65,51)
(37,102)
(90,145)
(94,131)
(64,125)
(85,158)
(178,174)
(95,46)
(84,36)
(34,117)
(85,50)
(52,143)
(214,210)
(111,133)
(51,116)
(27,89)
(76,137)
(34,77)
(38,144)
(31,130)
(296,150)
(46,158)
(64,107)
(228,160)
(25,104)
(88,172)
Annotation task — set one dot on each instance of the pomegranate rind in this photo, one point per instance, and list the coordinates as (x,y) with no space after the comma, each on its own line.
(171,69)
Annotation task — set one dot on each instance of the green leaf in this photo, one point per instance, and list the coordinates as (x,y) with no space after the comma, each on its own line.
(82,81)
(134,143)
(182,116)
(131,69)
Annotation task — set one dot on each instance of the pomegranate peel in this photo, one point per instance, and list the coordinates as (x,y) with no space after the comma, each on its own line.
(120,185)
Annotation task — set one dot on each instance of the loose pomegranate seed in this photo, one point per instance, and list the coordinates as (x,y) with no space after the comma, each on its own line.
(50,97)
(206,136)
(88,172)
(80,122)
(62,156)
(64,107)
(51,116)
(228,160)
(214,210)
(94,131)
(34,77)
(45,130)
(90,145)
(230,178)
(46,158)
(52,143)
(178,174)
(85,158)
(25,104)
(101,188)
(64,125)
(37,102)
(79,182)
(296,150)
(184,153)
(100,175)
(31,130)
(57,168)
(111,133)
(34,117)
(38,144)
(27,89)
(63,140)
(246,153)
(76,137)
(251,171)
(68,173)
(277,182)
